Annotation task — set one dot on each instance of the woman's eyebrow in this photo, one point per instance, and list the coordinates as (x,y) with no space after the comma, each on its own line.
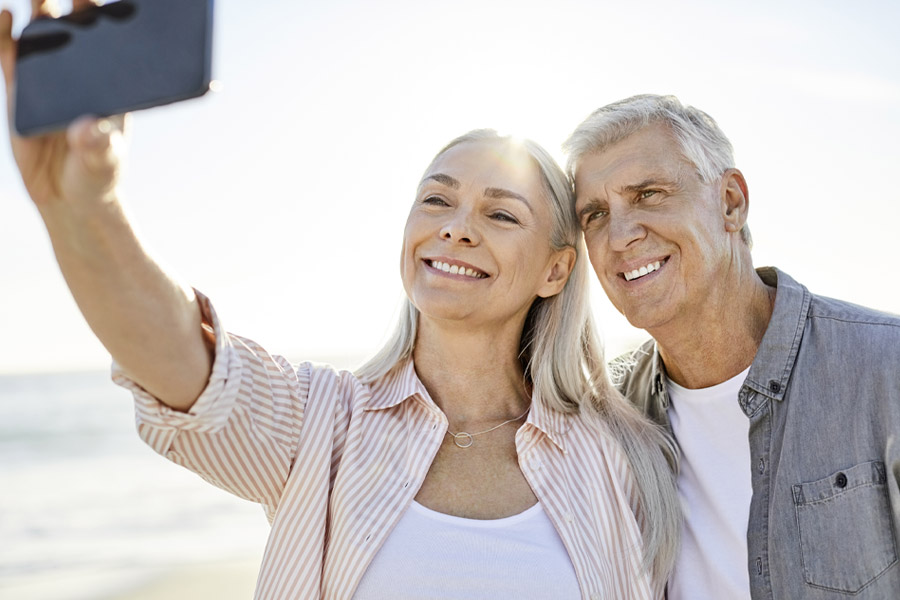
(445,179)
(493,192)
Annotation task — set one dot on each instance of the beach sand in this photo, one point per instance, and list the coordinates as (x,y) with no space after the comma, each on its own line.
(221,580)
(233,580)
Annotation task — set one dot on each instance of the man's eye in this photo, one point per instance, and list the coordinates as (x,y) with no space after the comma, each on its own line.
(435,201)
(647,194)
(594,216)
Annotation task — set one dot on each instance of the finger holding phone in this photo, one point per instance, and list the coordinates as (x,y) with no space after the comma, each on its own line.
(137,311)
(78,165)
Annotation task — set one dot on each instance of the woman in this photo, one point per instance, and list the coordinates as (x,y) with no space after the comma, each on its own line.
(481,454)
(422,474)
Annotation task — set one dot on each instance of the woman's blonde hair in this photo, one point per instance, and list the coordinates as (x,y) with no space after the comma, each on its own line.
(563,360)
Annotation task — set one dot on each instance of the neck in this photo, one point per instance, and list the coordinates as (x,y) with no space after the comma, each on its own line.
(474,376)
(722,339)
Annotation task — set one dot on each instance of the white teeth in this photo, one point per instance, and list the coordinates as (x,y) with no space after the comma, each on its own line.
(456,270)
(642,271)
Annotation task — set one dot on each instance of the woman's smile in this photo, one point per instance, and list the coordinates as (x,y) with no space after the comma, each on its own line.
(447,266)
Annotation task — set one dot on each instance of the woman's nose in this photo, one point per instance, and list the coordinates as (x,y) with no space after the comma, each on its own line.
(460,229)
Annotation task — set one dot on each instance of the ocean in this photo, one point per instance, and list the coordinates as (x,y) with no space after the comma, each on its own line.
(87,509)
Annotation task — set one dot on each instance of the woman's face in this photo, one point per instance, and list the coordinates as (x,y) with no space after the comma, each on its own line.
(477,242)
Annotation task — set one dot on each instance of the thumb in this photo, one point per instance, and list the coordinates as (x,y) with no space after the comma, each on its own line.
(7,48)
(97,146)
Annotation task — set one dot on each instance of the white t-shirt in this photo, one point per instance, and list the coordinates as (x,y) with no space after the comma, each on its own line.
(433,555)
(715,489)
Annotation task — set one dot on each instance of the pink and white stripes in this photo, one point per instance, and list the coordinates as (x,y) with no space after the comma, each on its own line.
(335,463)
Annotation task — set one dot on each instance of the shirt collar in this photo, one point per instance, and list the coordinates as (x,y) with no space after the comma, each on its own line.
(552,423)
(402,383)
(657,372)
(399,385)
(775,357)
(777,352)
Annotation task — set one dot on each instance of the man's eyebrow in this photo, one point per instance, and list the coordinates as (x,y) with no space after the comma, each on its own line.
(445,179)
(590,207)
(493,192)
(650,182)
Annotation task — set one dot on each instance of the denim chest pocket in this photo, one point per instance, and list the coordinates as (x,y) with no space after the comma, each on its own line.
(846,535)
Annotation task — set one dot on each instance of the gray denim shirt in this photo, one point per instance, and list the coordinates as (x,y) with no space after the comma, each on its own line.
(823,400)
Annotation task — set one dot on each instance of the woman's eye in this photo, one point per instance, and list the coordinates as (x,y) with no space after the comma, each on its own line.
(506,217)
(435,201)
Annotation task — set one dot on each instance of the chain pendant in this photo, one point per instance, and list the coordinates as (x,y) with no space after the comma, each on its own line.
(462,439)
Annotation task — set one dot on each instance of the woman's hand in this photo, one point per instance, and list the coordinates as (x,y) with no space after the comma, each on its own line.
(77,166)
(150,324)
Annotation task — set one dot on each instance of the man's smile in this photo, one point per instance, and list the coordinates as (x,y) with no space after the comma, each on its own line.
(643,270)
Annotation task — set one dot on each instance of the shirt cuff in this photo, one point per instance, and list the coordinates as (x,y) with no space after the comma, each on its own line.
(211,410)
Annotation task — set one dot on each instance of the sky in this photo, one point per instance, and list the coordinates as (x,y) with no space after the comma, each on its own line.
(283,196)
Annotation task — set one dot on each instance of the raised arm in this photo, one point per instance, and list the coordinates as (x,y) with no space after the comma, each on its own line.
(149,323)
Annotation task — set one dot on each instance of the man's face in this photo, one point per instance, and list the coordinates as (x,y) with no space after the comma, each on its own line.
(655,233)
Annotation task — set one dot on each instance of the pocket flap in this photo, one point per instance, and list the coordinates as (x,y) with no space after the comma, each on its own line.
(867,473)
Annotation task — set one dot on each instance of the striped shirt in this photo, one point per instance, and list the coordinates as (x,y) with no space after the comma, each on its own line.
(335,463)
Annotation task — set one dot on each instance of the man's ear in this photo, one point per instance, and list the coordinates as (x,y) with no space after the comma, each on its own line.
(735,200)
(561,265)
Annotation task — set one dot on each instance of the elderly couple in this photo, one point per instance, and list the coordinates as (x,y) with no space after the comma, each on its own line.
(749,450)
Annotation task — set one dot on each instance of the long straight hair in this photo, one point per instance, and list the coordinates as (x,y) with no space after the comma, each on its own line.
(562,358)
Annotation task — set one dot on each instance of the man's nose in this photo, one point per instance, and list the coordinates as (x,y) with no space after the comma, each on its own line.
(625,228)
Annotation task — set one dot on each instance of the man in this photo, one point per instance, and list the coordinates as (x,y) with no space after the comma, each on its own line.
(786,405)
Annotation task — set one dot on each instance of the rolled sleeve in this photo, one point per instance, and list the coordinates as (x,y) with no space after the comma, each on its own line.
(243,431)
(212,409)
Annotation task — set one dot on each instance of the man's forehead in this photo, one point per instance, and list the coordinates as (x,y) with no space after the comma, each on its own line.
(629,162)
(629,172)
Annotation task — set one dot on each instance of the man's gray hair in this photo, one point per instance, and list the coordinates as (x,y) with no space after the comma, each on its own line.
(702,142)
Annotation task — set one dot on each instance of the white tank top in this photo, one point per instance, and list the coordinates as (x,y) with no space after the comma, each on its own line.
(433,555)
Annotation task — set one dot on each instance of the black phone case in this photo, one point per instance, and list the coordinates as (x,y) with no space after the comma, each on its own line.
(110,59)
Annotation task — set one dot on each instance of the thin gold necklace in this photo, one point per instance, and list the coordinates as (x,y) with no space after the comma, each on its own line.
(464,439)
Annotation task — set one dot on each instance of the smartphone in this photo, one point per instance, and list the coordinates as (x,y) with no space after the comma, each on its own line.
(105,60)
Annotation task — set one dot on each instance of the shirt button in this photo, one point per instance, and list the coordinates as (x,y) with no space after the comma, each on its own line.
(840,480)
(536,464)
(569,517)
(527,436)
(774,386)
(596,597)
